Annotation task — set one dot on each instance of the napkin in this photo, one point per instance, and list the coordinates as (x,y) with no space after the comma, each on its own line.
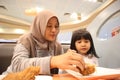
(43,77)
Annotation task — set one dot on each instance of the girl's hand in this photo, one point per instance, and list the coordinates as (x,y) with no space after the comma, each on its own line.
(70,60)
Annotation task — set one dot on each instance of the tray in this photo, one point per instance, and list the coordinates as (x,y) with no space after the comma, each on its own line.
(100,73)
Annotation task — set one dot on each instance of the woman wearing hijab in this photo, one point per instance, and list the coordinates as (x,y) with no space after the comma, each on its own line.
(40,48)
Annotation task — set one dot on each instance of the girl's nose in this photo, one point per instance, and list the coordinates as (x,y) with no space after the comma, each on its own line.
(83,44)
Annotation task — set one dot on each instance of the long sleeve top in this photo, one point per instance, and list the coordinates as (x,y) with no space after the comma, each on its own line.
(92,60)
(21,60)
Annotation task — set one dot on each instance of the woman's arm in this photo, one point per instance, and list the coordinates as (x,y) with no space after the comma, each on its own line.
(67,61)
(21,60)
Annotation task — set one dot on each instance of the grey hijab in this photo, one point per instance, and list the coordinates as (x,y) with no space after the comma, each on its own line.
(36,35)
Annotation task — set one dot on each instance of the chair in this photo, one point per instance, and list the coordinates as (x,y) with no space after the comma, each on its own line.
(6,52)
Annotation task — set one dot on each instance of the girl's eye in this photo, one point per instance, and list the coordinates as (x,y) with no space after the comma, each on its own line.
(86,41)
(79,41)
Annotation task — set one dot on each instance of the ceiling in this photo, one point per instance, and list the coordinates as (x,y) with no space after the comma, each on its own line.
(16,8)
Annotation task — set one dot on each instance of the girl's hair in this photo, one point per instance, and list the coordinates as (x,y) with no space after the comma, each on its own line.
(83,34)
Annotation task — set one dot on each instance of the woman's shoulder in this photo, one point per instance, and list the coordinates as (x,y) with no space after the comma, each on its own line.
(19,46)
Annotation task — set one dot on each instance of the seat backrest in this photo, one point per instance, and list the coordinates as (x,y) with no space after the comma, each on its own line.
(65,47)
(6,52)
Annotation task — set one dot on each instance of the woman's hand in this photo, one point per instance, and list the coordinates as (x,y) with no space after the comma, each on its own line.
(70,60)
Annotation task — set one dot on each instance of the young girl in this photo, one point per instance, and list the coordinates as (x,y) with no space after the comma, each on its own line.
(82,43)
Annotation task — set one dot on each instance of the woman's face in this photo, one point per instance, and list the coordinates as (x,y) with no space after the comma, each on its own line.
(82,46)
(52,29)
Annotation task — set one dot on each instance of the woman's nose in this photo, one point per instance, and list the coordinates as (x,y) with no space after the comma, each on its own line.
(53,29)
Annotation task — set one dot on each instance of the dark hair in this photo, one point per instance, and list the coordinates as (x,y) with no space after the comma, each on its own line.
(79,34)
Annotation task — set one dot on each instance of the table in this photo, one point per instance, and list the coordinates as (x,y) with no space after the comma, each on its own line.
(100,74)
(70,77)
(64,77)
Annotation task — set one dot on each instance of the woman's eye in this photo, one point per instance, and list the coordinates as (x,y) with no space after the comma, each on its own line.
(56,26)
(49,26)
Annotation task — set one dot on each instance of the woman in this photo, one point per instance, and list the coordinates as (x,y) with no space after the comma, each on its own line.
(40,48)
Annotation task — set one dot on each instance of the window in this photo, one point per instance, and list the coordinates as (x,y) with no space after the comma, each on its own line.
(110,28)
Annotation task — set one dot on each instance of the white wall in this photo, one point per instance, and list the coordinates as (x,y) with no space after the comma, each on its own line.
(108,50)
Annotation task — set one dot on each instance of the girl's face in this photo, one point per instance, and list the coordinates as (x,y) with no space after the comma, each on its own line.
(82,46)
(52,29)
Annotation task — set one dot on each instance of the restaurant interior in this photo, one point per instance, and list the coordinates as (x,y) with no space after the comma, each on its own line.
(100,17)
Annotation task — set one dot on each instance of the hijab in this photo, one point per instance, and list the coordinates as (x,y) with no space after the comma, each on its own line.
(36,35)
